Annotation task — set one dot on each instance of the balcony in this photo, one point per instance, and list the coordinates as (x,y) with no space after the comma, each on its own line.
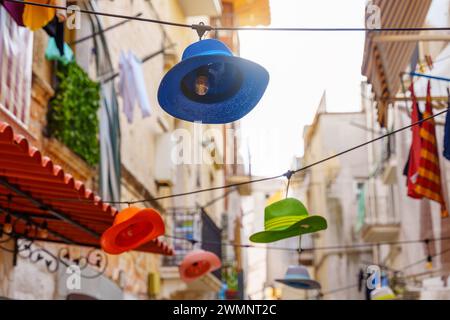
(196,225)
(381,222)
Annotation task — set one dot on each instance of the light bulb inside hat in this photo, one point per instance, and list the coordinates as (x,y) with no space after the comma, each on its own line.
(43,232)
(429,264)
(201,85)
(7,227)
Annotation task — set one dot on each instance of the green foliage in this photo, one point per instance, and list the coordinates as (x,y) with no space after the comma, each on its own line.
(72,117)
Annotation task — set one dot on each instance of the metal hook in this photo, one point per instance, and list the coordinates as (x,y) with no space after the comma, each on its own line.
(201,29)
(300,250)
(288,175)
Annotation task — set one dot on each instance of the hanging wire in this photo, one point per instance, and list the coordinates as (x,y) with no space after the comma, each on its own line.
(397,271)
(337,247)
(105,14)
(234,185)
(288,175)
(203,28)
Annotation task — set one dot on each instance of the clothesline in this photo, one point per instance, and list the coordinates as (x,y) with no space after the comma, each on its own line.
(336,247)
(397,271)
(202,28)
(287,174)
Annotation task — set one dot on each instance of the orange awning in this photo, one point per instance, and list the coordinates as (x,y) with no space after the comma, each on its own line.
(34,189)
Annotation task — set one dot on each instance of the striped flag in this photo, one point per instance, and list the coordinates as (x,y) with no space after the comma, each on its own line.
(16,58)
(412,170)
(429,184)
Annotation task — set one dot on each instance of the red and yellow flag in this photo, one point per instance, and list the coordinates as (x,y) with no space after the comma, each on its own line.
(429,184)
(416,145)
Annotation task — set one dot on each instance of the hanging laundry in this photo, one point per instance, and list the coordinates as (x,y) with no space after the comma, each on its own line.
(414,153)
(55,29)
(361,215)
(428,182)
(59,36)
(132,86)
(35,17)
(447,132)
(16,59)
(15,10)
(53,53)
(57,49)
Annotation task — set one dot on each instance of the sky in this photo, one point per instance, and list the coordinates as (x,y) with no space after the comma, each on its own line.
(302,65)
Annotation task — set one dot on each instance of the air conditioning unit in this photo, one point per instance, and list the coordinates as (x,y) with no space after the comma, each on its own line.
(164,166)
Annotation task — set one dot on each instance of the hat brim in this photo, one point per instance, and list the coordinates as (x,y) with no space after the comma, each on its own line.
(305,284)
(143,216)
(315,223)
(174,102)
(213,260)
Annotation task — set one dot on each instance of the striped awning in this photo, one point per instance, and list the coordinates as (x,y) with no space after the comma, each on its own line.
(384,61)
(33,190)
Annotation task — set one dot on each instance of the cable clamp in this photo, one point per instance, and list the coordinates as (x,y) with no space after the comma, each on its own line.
(201,29)
(289,174)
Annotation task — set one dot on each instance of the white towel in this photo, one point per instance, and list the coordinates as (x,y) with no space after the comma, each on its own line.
(132,86)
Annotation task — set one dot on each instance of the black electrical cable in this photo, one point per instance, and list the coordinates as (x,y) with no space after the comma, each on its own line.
(424,260)
(105,14)
(338,290)
(288,173)
(202,28)
(337,247)
(401,270)
(78,41)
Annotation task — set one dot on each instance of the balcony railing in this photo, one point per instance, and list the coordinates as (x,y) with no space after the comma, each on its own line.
(196,225)
(380,210)
(181,225)
(381,222)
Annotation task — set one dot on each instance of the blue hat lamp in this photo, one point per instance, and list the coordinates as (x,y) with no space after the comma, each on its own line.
(212,86)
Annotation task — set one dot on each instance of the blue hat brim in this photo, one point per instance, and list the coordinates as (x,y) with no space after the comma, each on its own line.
(174,102)
(305,284)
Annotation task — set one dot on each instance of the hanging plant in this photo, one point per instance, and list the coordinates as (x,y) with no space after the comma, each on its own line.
(72,116)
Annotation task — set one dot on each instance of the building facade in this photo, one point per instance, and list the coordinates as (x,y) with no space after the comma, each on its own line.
(387,100)
(333,191)
(135,151)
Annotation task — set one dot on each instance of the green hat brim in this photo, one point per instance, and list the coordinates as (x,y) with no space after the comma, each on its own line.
(316,223)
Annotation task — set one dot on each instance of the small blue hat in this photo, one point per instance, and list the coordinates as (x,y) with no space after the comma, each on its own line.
(298,277)
(235,85)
